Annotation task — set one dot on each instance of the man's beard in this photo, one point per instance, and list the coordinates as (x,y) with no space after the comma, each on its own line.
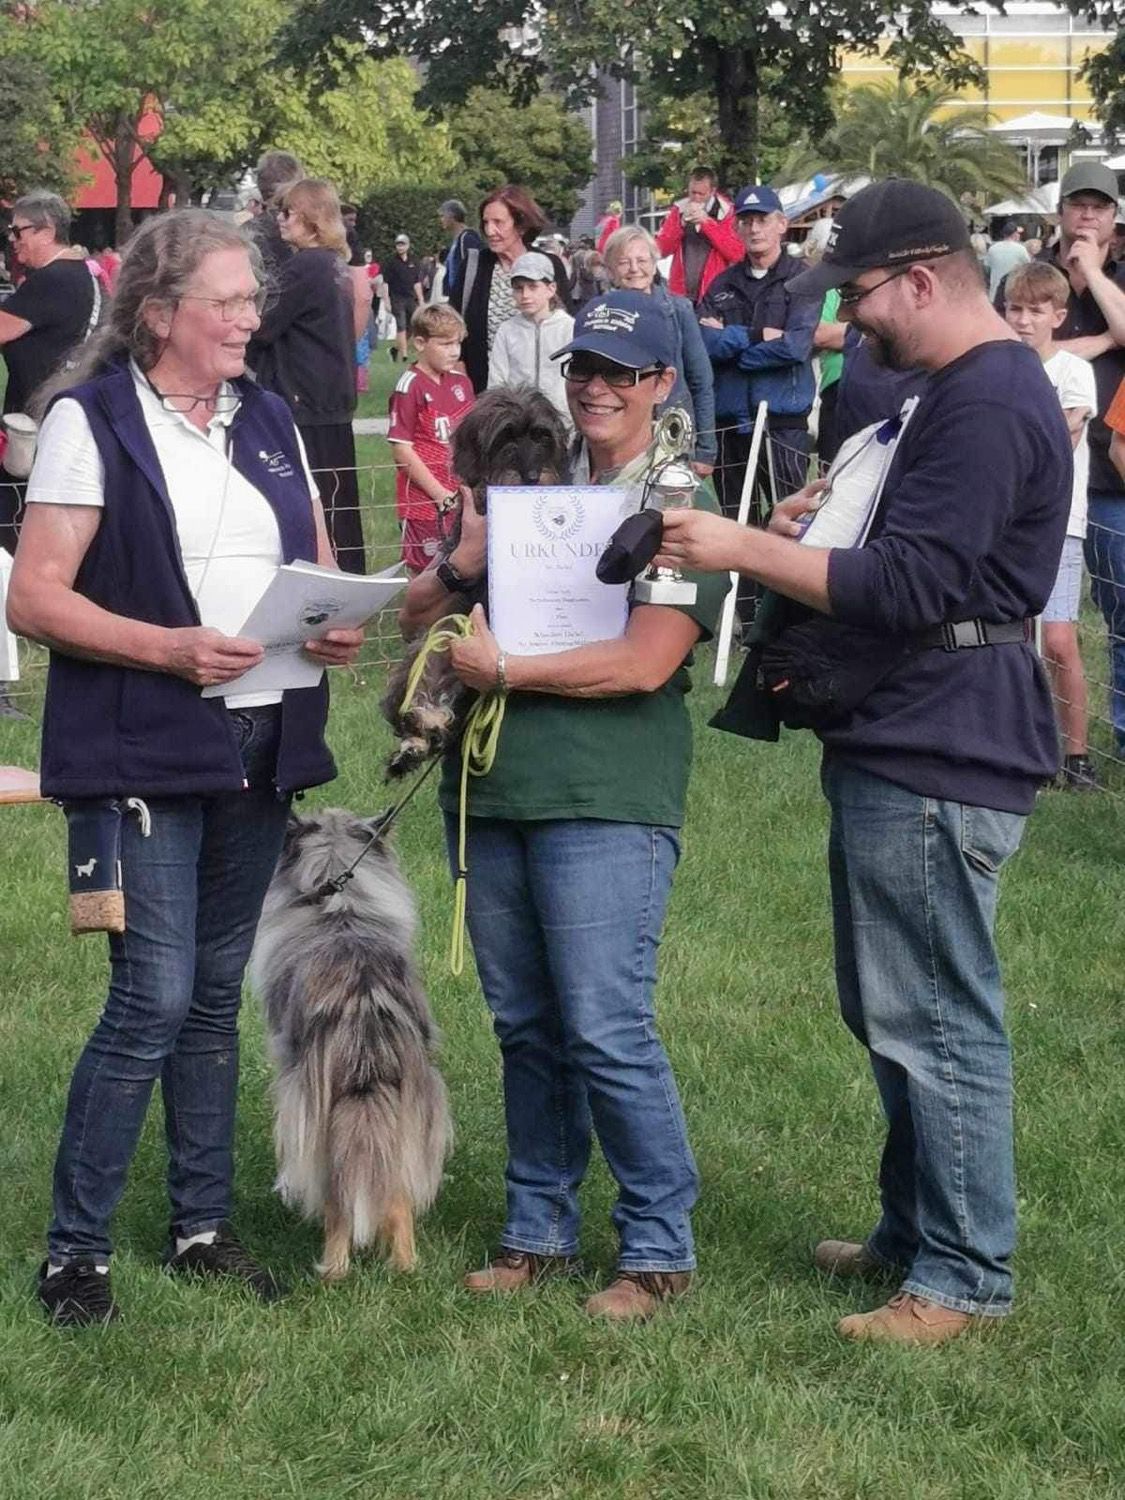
(884,350)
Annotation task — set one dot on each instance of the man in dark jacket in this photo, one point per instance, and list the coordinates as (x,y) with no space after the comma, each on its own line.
(931,767)
(760,339)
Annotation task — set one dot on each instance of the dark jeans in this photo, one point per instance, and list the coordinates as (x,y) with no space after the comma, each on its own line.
(193,893)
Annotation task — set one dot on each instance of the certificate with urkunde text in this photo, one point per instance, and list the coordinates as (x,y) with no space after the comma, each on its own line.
(543,547)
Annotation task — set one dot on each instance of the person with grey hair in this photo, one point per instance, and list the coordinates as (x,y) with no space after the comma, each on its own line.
(630,256)
(52,310)
(276,171)
(451,216)
(167,491)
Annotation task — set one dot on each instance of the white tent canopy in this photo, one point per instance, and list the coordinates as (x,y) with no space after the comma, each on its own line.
(1044,200)
(1036,125)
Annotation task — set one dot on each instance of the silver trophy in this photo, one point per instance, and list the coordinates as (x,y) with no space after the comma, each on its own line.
(671,485)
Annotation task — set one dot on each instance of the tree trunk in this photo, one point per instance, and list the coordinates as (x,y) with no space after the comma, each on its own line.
(735,72)
(123,177)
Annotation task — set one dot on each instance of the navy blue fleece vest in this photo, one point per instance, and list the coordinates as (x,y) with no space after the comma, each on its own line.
(118,731)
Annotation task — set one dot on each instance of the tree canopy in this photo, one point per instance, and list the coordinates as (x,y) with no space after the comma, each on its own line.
(36,147)
(915,133)
(538,144)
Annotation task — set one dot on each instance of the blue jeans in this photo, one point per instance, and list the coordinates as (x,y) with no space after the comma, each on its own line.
(1105,558)
(565,919)
(193,895)
(914,885)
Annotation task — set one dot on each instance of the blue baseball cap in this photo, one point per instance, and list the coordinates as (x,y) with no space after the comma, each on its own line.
(630,328)
(758,200)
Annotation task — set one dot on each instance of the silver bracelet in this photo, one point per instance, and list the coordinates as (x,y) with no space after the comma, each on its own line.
(502,673)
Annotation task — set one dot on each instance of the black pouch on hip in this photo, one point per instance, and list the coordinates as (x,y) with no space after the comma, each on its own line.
(97,899)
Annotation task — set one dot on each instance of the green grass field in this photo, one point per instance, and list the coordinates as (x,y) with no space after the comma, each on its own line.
(403,1387)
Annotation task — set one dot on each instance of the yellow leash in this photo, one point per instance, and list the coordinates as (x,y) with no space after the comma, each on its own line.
(478,754)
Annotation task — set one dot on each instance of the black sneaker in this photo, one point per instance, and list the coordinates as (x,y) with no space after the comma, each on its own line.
(79,1295)
(1079,774)
(225,1256)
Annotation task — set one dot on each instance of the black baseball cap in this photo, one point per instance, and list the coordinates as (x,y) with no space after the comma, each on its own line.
(888,224)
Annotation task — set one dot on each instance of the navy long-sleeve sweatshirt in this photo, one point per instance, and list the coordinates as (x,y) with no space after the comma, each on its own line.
(971,526)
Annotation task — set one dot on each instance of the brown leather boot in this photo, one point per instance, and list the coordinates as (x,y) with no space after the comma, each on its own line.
(907,1319)
(636,1295)
(513,1270)
(846,1258)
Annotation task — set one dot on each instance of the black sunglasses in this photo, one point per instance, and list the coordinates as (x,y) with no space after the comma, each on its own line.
(580,371)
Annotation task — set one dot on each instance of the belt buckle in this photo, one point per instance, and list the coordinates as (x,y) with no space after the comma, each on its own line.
(961,635)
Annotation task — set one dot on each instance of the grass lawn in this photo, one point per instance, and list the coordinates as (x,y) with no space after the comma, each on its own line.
(403,1387)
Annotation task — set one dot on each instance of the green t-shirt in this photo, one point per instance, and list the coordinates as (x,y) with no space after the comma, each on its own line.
(622,759)
(832,360)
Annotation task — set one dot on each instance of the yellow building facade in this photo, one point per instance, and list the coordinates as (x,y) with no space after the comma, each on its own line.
(1032,58)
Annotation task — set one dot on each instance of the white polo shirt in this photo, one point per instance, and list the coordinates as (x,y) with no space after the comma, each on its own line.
(228,534)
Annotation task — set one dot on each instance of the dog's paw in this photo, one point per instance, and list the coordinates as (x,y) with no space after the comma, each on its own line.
(331,1272)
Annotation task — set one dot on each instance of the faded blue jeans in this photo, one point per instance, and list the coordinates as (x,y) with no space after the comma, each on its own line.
(565,919)
(193,894)
(1105,559)
(914,886)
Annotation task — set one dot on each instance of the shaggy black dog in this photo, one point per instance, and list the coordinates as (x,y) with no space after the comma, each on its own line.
(511,436)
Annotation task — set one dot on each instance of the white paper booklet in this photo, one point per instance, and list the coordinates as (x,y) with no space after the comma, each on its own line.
(9,659)
(543,547)
(303,603)
(855,484)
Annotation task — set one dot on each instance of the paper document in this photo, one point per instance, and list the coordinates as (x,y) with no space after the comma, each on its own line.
(544,542)
(303,603)
(9,660)
(855,484)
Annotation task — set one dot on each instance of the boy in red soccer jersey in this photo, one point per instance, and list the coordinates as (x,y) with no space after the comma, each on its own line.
(425,407)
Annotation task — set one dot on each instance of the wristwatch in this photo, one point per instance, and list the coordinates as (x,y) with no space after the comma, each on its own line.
(452,581)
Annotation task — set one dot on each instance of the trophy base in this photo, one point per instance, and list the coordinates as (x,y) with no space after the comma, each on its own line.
(664,591)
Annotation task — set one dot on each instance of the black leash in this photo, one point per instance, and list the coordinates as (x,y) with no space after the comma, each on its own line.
(334,886)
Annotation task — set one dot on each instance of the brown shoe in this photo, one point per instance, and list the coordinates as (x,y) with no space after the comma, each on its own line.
(907,1319)
(636,1295)
(846,1258)
(512,1270)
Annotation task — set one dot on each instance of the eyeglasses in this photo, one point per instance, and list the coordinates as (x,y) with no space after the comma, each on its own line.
(578,371)
(15,230)
(231,307)
(853,296)
(222,403)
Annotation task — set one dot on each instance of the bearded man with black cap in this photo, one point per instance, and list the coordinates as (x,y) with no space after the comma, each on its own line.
(929,776)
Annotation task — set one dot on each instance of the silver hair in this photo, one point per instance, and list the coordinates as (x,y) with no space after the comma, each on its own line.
(453,208)
(362,1123)
(156,268)
(42,208)
(620,238)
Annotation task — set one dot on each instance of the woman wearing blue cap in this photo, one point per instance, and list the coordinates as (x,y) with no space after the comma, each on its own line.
(573,838)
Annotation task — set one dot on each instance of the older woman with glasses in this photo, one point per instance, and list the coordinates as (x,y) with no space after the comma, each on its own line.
(166,492)
(631,256)
(304,349)
(573,838)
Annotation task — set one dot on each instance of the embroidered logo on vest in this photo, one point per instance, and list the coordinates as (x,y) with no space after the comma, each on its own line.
(277,464)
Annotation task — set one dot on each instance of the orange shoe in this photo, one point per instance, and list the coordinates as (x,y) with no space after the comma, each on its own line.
(513,1270)
(634,1296)
(907,1319)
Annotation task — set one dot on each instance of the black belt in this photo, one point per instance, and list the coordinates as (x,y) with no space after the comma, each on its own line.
(962,635)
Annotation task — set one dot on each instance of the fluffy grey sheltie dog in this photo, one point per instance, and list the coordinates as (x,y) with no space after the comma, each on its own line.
(362,1123)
